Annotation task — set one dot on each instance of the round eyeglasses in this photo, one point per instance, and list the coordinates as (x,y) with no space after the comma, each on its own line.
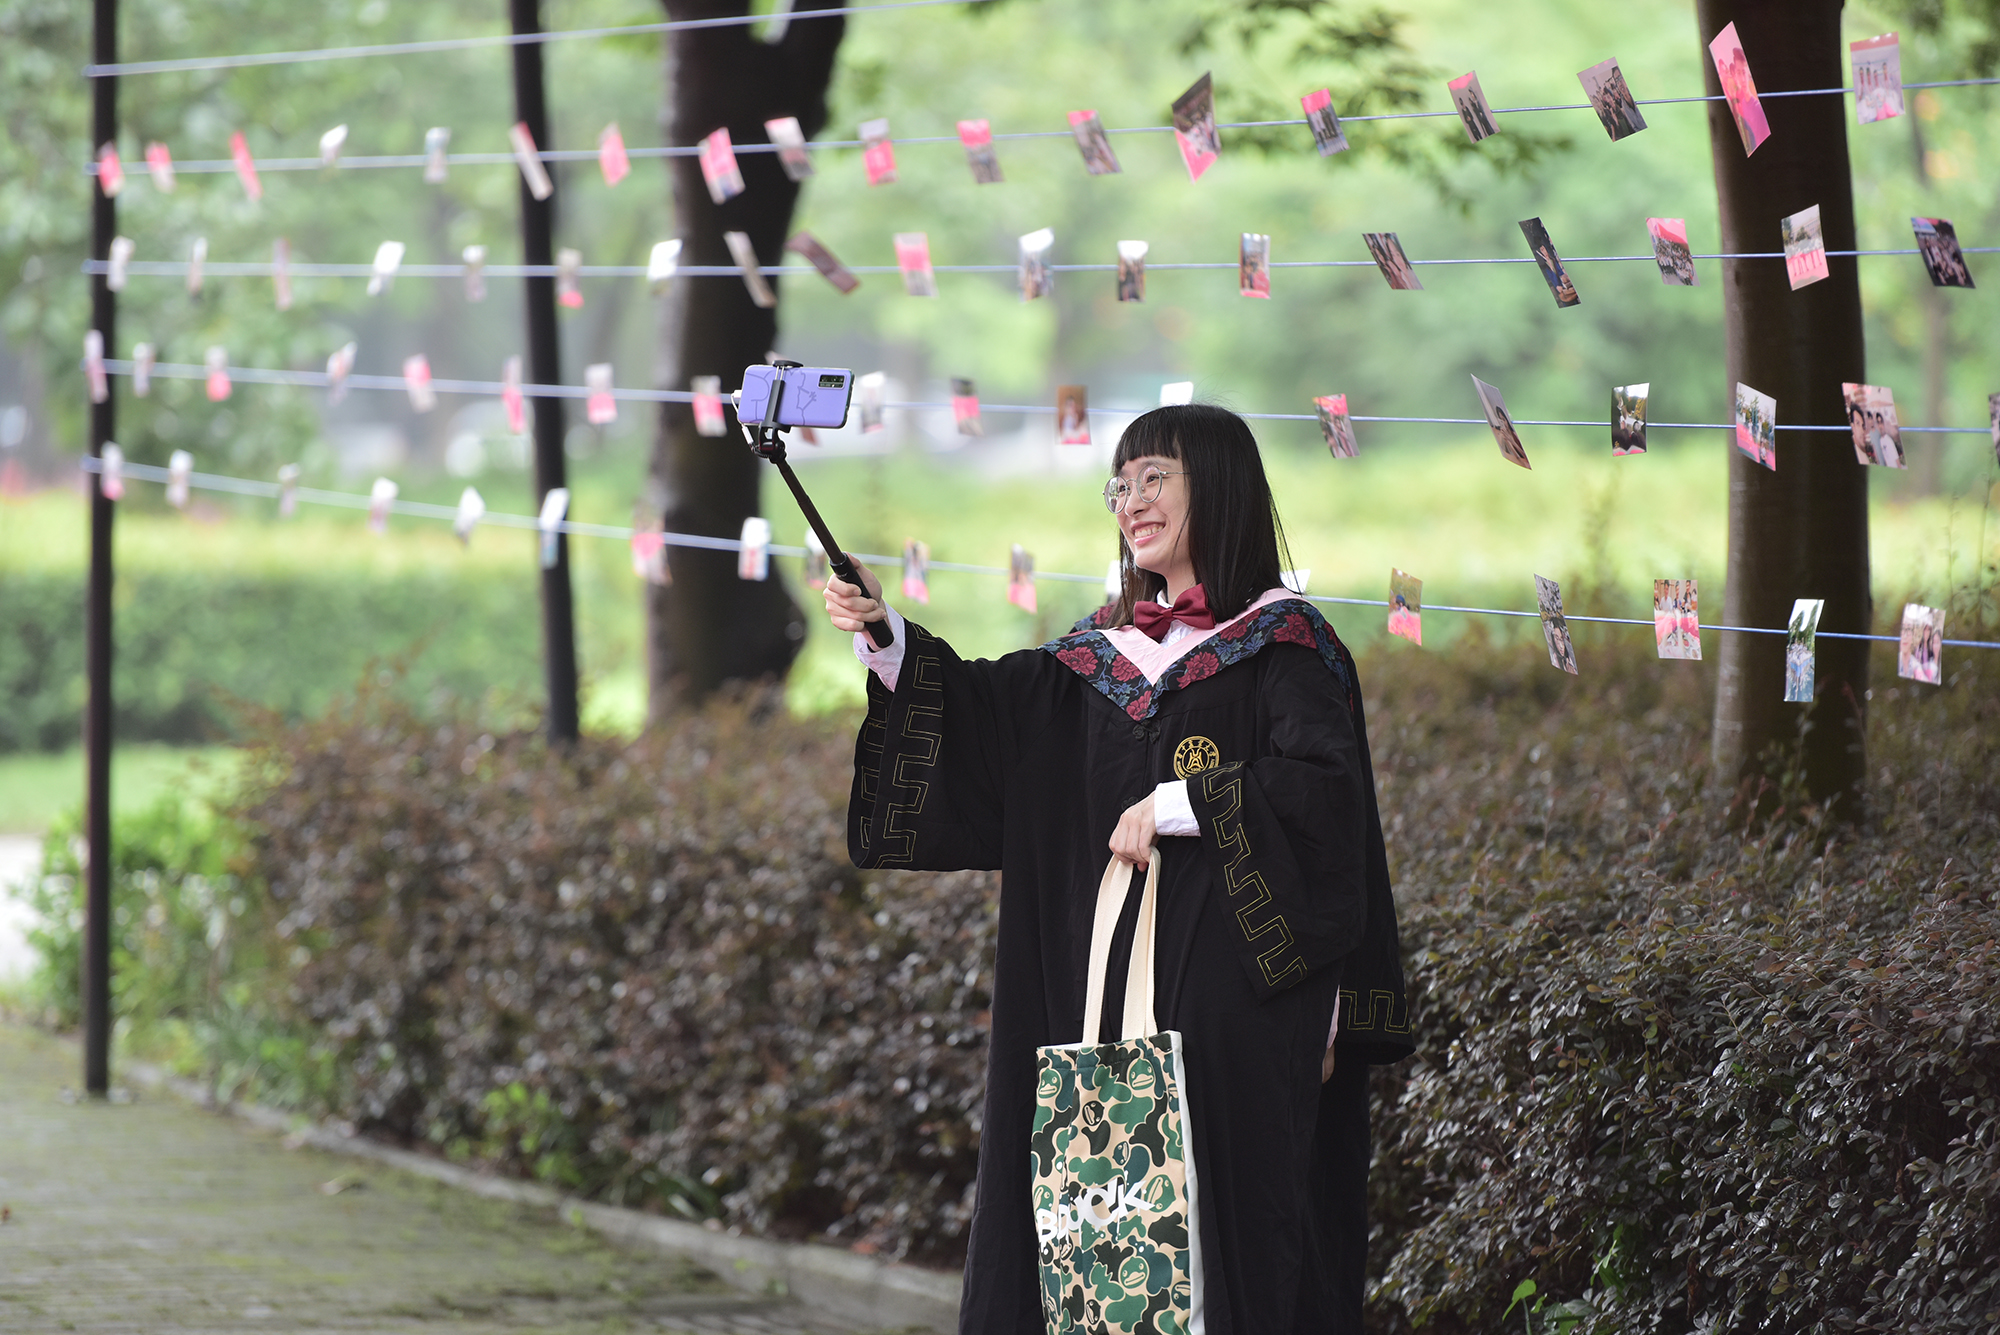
(1119,491)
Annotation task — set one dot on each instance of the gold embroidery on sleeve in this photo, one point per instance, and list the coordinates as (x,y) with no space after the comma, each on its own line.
(1224,787)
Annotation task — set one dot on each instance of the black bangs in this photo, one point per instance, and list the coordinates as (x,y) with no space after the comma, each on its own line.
(1234,534)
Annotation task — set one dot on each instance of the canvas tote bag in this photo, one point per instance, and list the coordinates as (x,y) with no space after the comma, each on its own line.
(1112,1166)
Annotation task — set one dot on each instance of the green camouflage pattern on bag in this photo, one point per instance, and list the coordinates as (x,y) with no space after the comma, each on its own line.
(1110,1188)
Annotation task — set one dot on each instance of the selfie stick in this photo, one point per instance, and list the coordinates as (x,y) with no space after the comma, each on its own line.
(767,440)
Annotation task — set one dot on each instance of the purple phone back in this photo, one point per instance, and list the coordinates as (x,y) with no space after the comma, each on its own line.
(814,396)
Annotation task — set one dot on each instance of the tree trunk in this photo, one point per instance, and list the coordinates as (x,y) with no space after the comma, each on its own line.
(709,627)
(1802,531)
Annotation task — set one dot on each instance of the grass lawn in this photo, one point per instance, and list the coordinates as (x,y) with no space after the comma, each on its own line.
(36,787)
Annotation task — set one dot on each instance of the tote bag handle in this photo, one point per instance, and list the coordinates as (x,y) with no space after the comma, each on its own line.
(1138,1018)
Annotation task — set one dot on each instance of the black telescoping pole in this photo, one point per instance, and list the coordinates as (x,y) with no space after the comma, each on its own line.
(97,600)
(538,218)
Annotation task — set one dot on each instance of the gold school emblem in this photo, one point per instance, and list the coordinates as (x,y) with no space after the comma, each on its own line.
(1195,755)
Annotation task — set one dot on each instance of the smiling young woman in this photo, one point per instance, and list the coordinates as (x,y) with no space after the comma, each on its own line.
(1210,713)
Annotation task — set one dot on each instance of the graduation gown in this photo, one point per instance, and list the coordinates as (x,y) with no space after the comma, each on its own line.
(1025,763)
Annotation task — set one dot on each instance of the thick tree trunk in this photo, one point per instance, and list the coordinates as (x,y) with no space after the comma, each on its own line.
(1802,531)
(709,627)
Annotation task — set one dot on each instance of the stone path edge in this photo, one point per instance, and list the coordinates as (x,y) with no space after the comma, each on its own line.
(877,1294)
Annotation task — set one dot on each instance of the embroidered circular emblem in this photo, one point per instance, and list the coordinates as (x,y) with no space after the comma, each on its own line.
(1195,755)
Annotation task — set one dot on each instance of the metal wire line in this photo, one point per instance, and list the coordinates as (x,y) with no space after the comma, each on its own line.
(251,375)
(241,486)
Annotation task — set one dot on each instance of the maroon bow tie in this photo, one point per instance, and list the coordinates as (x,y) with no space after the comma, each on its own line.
(1191,607)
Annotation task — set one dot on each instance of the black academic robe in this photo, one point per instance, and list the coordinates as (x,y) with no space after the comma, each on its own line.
(1024,763)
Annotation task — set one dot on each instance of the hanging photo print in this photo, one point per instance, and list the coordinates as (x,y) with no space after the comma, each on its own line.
(1757,426)
(913,257)
(611,158)
(288,491)
(814,568)
(246,166)
(1871,415)
(753,559)
(1555,629)
(1993,423)
(1021,578)
(1504,435)
(388,259)
(110,171)
(1805,247)
(916,571)
(338,367)
(1328,137)
(600,408)
(878,155)
(197,257)
(1628,418)
(1093,143)
(1732,69)
(789,138)
(569,268)
(471,507)
(217,361)
(708,418)
(649,557)
(1878,78)
(965,407)
(662,264)
(1801,645)
(1676,619)
(160,166)
(142,369)
(868,397)
(1604,84)
(1473,111)
(417,381)
(822,259)
(1036,280)
(1176,391)
(510,396)
(111,472)
(117,262)
(1387,253)
(1253,265)
(1406,608)
(281,273)
(1671,251)
(1920,656)
(1072,415)
(1336,426)
(436,140)
(1551,265)
(719,171)
(1194,127)
(746,259)
(549,524)
(529,159)
(93,366)
(1132,270)
(1943,260)
(977,136)
(475,272)
(381,500)
(180,472)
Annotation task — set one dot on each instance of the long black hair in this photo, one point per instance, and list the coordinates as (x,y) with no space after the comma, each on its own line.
(1234,536)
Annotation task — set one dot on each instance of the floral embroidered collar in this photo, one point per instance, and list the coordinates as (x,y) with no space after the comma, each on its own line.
(1090,653)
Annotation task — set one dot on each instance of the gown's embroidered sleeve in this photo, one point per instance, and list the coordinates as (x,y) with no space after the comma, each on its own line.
(933,755)
(1287,833)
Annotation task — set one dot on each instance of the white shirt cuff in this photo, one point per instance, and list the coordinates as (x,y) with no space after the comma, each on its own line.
(886,664)
(1172,813)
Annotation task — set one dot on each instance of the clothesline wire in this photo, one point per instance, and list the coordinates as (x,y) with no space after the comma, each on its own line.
(424,510)
(408,160)
(267,269)
(251,59)
(251,375)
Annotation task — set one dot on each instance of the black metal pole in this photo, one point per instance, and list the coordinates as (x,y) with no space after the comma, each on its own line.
(538,218)
(96,979)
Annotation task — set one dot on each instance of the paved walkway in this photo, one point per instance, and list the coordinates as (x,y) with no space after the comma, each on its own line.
(154,1216)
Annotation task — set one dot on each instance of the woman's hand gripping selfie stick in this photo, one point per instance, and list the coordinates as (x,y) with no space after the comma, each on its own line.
(767,440)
